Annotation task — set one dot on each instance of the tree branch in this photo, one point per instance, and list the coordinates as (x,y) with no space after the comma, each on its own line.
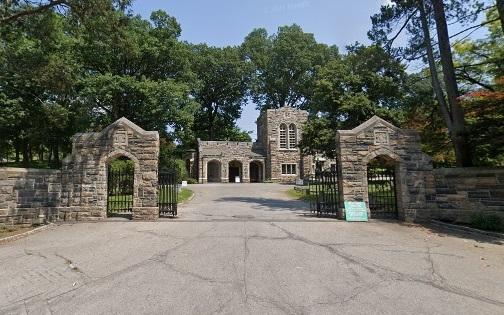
(391,41)
(41,8)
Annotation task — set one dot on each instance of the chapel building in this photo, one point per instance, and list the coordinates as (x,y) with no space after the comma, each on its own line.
(274,157)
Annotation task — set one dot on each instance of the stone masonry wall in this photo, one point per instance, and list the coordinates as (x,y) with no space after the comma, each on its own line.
(275,155)
(462,192)
(26,193)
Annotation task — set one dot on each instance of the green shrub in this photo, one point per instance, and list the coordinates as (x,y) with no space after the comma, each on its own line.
(488,222)
(191,180)
(175,164)
(122,164)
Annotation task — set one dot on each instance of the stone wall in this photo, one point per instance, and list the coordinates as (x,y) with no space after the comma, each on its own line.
(462,192)
(269,122)
(27,193)
(413,169)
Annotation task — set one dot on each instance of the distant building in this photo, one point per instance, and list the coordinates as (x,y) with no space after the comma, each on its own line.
(275,155)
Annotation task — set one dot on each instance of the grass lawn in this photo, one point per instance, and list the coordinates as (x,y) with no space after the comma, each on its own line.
(298,194)
(184,195)
(10,230)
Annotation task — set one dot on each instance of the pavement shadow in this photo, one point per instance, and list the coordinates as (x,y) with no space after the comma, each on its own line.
(475,236)
(269,204)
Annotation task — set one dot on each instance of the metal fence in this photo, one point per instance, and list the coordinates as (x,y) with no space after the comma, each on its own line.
(323,192)
(167,193)
(382,192)
(120,185)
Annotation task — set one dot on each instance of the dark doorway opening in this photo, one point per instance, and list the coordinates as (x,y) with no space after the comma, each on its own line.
(256,172)
(235,171)
(213,172)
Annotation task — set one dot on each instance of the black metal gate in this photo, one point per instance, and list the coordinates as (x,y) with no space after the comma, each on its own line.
(167,193)
(382,192)
(120,183)
(323,192)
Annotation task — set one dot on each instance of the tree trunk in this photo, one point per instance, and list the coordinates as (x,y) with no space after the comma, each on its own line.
(436,84)
(500,8)
(26,153)
(56,154)
(458,132)
(17,149)
(49,155)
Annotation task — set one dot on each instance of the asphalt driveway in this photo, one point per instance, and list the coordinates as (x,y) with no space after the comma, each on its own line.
(245,249)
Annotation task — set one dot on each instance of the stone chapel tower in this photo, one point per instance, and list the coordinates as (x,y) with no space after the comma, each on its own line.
(279,132)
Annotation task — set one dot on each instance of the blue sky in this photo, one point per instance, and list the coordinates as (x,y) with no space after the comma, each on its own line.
(227,22)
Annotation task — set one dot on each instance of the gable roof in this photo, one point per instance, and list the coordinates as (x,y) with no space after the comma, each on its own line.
(370,123)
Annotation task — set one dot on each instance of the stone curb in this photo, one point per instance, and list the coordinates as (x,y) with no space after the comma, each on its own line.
(467,229)
(25,234)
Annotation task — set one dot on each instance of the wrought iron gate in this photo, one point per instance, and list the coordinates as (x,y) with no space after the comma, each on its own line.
(323,192)
(382,192)
(120,185)
(167,193)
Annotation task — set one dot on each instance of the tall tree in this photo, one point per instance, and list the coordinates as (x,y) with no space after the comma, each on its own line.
(500,8)
(458,129)
(349,90)
(220,90)
(416,18)
(285,66)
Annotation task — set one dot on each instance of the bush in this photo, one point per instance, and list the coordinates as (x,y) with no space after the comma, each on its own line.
(489,222)
(122,164)
(178,165)
(191,180)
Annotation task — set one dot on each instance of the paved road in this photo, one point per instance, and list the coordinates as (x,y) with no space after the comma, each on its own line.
(272,261)
(257,202)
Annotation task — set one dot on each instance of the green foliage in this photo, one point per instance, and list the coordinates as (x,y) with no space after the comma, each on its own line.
(221,90)
(191,180)
(80,67)
(122,164)
(487,222)
(285,66)
(350,89)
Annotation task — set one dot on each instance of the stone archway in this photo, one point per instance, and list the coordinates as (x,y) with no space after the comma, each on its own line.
(84,172)
(256,170)
(214,171)
(235,170)
(398,150)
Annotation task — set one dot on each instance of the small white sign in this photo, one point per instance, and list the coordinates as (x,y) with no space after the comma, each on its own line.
(184,183)
(237,179)
(299,182)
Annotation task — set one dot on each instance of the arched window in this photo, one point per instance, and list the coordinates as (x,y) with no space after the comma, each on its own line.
(292,136)
(283,137)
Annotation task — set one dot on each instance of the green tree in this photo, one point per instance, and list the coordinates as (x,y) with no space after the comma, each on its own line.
(349,90)
(415,18)
(285,64)
(220,90)
(38,77)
